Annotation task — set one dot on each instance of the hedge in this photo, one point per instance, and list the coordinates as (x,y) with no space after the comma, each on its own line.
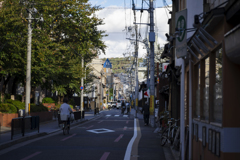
(12,106)
(16,103)
(7,108)
(37,108)
(48,100)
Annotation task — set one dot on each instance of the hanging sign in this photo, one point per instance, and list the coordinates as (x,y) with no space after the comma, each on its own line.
(181,37)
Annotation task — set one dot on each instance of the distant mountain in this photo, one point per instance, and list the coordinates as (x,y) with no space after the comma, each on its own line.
(119,65)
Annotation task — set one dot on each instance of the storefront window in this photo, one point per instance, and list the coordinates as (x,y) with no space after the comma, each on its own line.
(198,93)
(206,91)
(217,110)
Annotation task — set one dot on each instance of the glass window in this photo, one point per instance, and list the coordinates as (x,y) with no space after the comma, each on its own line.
(198,93)
(217,107)
(206,91)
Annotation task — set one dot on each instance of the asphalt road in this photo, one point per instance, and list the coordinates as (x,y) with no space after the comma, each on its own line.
(105,138)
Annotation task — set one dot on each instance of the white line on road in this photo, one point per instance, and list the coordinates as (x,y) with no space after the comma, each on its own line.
(105,155)
(121,135)
(89,127)
(130,144)
(32,155)
(116,115)
(4,151)
(68,137)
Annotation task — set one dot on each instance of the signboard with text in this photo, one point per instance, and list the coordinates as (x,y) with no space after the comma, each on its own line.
(181,39)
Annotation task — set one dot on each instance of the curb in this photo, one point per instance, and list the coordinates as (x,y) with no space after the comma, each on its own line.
(30,137)
(26,138)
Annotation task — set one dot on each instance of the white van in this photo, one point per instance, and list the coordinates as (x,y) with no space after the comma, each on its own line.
(119,103)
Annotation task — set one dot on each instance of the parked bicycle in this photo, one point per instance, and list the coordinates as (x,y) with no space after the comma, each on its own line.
(169,133)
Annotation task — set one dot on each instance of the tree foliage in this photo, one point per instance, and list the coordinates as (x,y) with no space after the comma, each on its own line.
(67,35)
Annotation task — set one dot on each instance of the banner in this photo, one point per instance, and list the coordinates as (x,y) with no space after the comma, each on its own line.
(151,109)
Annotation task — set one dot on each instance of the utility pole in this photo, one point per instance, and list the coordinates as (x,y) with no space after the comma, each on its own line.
(28,75)
(152,79)
(136,63)
(82,104)
(101,93)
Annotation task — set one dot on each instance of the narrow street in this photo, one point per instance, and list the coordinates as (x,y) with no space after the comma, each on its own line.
(108,136)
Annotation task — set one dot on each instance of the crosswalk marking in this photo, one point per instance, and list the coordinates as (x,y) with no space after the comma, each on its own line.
(116,115)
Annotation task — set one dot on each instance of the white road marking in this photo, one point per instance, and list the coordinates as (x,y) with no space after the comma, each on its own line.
(100,130)
(108,115)
(130,144)
(116,115)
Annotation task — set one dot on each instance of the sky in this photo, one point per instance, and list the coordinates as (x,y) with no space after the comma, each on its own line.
(118,15)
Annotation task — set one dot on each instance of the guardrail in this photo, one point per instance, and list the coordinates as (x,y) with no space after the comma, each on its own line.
(22,125)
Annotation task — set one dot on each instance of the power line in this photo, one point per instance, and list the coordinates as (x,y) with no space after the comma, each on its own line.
(131,8)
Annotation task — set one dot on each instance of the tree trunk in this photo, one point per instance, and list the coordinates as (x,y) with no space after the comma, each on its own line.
(14,86)
(59,99)
(62,99)
(24,94)
(32,96)
(5,81)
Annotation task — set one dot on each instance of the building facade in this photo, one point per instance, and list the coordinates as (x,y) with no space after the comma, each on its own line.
(210,75)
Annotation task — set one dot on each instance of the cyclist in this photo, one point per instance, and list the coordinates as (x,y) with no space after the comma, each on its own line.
(65,109)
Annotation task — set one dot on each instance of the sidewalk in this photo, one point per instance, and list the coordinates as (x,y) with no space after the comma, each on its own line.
(45,128)
(152,137)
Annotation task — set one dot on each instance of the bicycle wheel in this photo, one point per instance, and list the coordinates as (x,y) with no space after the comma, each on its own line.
(164,137)
(65,128)
(68,129)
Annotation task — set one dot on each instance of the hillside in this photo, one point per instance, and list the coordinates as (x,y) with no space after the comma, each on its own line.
(120,64)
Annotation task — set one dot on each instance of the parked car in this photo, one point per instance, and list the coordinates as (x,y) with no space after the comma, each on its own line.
(114,104)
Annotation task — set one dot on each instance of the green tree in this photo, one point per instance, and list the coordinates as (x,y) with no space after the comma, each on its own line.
(68,33)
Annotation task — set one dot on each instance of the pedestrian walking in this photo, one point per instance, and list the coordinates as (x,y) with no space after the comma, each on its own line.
(145,111)
(128,107)
(123,105)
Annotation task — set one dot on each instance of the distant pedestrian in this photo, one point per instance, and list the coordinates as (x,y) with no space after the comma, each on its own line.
(146,112)
(123,105)
(128,107)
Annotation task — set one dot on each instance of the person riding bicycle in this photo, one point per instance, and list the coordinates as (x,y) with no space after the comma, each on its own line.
(65,110)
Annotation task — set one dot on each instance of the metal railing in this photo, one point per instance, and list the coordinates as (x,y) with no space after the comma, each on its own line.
(22,125)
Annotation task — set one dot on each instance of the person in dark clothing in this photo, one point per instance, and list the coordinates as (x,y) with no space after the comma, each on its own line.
(145,111)
(123,107)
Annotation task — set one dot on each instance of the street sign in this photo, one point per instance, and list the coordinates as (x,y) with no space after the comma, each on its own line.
(181,40)
(107,64)
(81,87)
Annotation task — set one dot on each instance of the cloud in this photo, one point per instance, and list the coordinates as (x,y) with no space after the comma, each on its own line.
(117,19)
